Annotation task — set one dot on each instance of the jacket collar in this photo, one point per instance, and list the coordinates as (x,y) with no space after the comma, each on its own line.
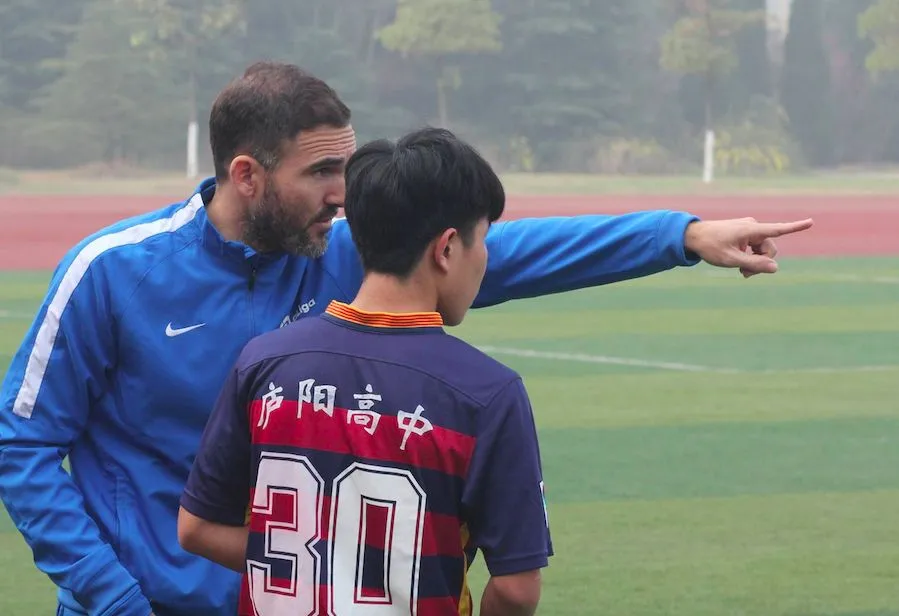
(214,242)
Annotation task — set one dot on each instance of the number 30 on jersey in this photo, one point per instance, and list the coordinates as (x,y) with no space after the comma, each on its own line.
(290,540)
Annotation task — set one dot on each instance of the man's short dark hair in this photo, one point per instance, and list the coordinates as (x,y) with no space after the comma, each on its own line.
(269,104)
(399,197)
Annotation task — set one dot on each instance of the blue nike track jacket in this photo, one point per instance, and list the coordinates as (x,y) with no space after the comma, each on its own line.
(126,355)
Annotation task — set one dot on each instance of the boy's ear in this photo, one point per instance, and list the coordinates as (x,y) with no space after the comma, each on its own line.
(442,249)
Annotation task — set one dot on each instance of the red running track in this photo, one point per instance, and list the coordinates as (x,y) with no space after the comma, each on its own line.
(35,231)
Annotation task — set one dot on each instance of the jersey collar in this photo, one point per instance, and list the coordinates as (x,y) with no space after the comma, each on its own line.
(384,320)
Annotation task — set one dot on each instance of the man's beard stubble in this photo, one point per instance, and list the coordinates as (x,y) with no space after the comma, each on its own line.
(272,227)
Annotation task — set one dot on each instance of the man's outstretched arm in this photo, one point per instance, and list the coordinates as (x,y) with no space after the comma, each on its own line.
(540,256)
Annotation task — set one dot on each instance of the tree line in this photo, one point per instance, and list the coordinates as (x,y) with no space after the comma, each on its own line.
(612,86)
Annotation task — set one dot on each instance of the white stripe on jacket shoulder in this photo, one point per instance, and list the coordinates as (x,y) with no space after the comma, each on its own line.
(45,339)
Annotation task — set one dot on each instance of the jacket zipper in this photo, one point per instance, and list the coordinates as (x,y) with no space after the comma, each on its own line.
(251,284)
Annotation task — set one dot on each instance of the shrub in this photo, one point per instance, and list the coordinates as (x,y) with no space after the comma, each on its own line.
(757,143)
(636,156)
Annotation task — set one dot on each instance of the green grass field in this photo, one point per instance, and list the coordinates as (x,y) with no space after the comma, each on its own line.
(712,446)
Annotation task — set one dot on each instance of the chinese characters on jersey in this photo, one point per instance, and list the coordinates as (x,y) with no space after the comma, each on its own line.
(321,398)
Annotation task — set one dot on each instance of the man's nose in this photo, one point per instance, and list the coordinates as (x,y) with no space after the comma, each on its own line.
(337,194)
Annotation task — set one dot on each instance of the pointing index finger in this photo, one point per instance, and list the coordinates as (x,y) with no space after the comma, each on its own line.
(777,229)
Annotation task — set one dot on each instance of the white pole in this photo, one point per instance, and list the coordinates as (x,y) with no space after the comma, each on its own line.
(192,135)
(708,164)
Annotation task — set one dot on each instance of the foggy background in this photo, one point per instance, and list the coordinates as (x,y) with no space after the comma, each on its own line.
(603,86)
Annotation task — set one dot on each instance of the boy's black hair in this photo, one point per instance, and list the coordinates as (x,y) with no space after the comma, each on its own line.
(401,196)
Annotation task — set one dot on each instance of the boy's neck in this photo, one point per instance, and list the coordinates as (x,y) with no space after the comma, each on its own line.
(384,293)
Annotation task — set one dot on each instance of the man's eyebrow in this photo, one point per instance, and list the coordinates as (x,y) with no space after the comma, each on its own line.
(325,163)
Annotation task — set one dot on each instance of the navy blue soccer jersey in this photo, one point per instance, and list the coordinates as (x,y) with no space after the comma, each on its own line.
(372,455)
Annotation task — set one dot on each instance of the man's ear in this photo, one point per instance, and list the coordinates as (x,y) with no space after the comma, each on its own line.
(247,176)
(443,249)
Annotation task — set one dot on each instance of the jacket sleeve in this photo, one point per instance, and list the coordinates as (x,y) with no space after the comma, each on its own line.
(45,401)
(541,256)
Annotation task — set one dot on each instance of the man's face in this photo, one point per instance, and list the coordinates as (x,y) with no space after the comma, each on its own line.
(302,194)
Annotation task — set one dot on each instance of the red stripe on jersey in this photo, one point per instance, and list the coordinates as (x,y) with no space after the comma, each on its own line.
(377,520)
(283,511)
(407,439)
(442,534)
(430,606)
(372,593)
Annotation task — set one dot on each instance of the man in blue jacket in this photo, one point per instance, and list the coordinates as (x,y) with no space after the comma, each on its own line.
(143,319)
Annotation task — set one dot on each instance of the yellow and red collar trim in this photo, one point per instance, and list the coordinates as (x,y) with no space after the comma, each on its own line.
(349,313)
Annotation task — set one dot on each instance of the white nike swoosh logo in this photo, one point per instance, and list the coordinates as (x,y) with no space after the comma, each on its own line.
(172,332)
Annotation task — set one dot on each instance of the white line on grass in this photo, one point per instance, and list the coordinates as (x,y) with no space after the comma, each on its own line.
(830,370)
(661,365)
(822,277)
(15,316)
(864,279)
(602,359)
